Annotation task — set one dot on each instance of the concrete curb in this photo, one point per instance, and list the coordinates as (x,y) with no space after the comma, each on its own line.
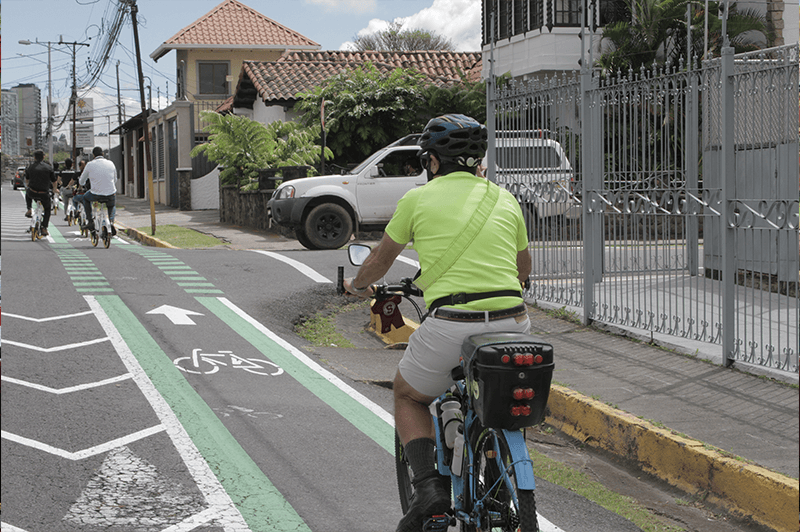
(143,238)
(745,490)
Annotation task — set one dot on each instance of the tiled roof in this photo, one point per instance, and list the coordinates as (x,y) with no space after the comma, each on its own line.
(298,71)
(232,23)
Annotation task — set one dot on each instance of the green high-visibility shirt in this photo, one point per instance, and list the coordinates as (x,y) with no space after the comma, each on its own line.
(433,215)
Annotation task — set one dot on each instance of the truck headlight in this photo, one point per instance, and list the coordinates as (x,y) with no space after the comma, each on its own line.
(285,193)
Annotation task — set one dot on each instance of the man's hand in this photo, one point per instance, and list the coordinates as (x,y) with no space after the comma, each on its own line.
(366,293)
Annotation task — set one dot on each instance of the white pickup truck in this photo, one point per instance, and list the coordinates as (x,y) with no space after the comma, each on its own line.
(324,210)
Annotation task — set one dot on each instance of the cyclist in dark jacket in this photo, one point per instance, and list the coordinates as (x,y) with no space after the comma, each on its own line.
(40,180)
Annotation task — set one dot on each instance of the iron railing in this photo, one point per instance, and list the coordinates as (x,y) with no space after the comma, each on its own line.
(679,214)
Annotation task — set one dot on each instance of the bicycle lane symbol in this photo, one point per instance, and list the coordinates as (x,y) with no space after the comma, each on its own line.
(208,363)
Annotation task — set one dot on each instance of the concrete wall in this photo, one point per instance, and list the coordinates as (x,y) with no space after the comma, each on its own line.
(247,209)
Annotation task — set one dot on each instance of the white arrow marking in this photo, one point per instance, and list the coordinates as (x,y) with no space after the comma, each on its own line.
(178,316)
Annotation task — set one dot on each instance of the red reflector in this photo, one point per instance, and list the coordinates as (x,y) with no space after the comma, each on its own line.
(525,359)
(538,359)
(505,359)
(520,410)
(523,393)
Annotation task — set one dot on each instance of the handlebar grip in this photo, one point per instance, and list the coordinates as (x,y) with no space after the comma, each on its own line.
(340,281)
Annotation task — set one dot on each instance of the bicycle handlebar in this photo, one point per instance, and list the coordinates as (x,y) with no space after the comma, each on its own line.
(406,288)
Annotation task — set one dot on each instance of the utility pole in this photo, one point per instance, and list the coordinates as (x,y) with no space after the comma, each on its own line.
(74,98)
(121,136)
(145,112)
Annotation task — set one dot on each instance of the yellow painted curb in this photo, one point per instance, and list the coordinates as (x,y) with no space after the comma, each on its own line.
(143,238)
(768,498)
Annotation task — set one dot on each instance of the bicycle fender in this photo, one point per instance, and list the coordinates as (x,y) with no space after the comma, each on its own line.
(523,467)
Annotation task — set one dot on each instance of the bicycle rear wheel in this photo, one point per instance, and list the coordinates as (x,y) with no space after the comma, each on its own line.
(34,232)
(507,507)
(106,238)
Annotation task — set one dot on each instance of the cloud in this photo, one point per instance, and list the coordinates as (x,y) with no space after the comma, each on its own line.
(358,6)
(458,20)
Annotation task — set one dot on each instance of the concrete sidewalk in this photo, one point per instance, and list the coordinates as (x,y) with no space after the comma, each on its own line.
(682,419)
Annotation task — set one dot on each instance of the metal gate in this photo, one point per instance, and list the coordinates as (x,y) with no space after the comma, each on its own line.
(676,211)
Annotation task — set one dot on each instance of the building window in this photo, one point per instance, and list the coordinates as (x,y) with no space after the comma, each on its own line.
(567,13)
(213,78)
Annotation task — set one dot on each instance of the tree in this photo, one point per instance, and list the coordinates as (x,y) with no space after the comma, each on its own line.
(656,33)
(243,147)
(366,109)
(396,39)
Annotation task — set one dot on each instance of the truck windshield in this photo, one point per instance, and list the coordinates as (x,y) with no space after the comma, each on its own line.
(368,161)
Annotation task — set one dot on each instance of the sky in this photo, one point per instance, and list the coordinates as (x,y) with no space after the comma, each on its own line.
(331,23)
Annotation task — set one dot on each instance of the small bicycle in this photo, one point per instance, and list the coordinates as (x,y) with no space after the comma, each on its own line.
(500,387)
(71,215)
(102,225)
(54,202)
(36,221)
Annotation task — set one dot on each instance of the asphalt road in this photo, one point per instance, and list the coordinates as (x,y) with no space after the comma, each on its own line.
(156,389)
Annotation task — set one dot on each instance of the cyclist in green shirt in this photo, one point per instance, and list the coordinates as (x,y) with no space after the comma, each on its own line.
(476,287)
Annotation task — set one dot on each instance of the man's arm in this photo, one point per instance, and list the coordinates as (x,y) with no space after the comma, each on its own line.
(84,175)
(377,264)
(524,265)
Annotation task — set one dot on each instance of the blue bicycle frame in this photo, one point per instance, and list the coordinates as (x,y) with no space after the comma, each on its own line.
(465,490)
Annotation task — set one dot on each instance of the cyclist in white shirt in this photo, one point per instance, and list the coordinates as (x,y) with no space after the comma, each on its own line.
(103,176)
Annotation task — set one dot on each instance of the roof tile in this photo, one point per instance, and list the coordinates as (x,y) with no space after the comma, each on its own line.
(234,23)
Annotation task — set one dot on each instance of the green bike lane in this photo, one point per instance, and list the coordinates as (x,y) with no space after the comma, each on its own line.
(243,470)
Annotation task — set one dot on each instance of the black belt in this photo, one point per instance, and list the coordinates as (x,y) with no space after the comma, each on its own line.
(480,315)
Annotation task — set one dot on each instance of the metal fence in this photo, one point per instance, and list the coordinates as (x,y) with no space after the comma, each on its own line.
(670,201)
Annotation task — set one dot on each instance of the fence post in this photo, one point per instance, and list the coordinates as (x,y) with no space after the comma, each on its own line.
(591,185)
(691,212)
(727,229)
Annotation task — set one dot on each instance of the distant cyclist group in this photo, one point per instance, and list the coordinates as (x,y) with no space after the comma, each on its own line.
(94,181)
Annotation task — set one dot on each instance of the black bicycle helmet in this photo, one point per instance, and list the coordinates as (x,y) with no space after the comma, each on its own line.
(455,138)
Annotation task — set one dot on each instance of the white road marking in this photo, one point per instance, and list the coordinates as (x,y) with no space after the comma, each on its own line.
(198,468)
(11,528)
(85,453)
(194,521)
(547,526)
(51,318)
(299,266)
(56,348)
(69,389)
(178,316)
(120,494)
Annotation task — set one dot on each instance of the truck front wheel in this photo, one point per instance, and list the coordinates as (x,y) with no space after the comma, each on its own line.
(328,226)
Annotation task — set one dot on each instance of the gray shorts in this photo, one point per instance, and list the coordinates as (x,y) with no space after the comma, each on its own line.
(435,349)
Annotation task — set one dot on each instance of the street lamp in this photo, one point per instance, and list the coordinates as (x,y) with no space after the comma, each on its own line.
(49,99)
